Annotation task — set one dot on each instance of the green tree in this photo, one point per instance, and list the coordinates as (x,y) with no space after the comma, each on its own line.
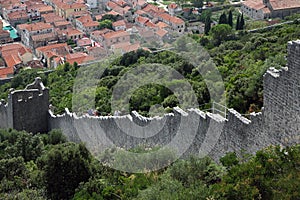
(223,19)
(242,23)
(105,24)
(220,32)
(197,3)
(230,21)
(229,160)
(238,23)
(65,166)
(207,25)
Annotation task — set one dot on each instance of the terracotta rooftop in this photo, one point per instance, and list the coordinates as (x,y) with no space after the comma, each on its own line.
(52,17)
(255,4)
(84,19)
(79,58)
(112,13)
(126,46)
(284,4)
(140,12)
(54,50)
(5,71)
(22,14)
(37,26)
(161,32)
(119,23)
(150,24)
(116,34)
(266,10)
(12,60)
(51,47)
(141,2)
(14,48)
(6,4)
(84,42)
(169,18)
(72,6)
(162,25)
(112,5)
(45,36)
(121,3)
(45,9)
(11,5)
(154,8)
(91,24)
(72,32)
(62,23)
(80,13)
(142,20)
(100,33)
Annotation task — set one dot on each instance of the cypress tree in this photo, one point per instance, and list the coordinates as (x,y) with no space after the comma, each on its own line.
(237,26)
(242,23)
(207,25)
(223,19)
(230,22)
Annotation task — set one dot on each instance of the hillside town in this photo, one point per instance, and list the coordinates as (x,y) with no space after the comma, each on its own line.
(53,32)
(48,33)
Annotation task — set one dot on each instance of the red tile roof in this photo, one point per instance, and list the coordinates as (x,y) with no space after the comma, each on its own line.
(127,46)
(52,47)
(154,8)
(150,24)
(72,32)
(18,15)
(116,34)
(161,32)
(62,23)
(162,25)
(254,4)
(169,18)
(100,33)
(142,20)
(37,26)
(119,23)
(6,71)
(52,17)
(72,6)
(79,58)
(121,3)
(46,36)
(84,42)
(14,48)
(284,4)
(12,60)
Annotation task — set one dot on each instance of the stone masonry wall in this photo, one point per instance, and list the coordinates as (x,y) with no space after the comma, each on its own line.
(190,132)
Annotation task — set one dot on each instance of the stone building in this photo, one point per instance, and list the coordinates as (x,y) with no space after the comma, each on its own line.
(264,9)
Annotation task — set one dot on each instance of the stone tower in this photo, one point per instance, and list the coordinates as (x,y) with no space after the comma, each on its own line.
(28,109)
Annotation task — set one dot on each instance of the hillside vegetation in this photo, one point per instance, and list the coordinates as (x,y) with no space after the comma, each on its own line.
(48,167)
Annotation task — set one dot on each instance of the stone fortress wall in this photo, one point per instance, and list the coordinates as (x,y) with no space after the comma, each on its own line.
(207,133)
